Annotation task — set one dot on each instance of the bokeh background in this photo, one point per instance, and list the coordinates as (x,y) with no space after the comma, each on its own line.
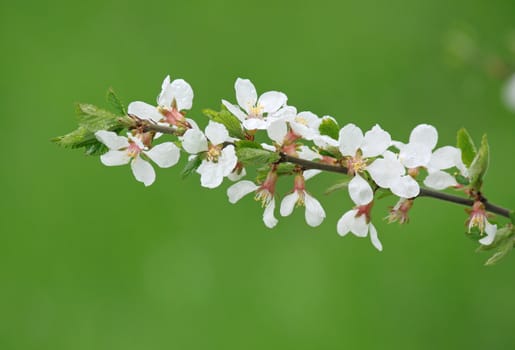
(90,259)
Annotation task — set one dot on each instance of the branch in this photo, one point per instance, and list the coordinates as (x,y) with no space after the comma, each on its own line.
(424,192)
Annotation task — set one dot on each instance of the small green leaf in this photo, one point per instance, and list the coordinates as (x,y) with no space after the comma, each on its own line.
(226,118)
(512,216)
(501,252)
(248,144)
(256,157)
(340,185)
(329,127)
(479,165)
(115,102)
(467,147)
(191,166)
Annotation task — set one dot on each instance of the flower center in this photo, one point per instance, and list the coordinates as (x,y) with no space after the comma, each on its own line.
(133,150)
(256,111)
(301,120)
(213,153)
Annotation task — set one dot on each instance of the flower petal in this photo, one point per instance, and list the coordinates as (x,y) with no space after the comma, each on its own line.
(374,238)
(271,101)
(240,189)
(234,176)
(143,171)
(440,180)
(345,222)
(309,174)
(314,214)
(112,140)
(491,231)
(165,154)
(277,130)
(145,111)
(359,226)
(288,203)
(414,155)
(376,141)
(360,191)
(324,141)
(217,133)
(425,135)
(405,187)
(255,124)
(194,141)
(444,158)
(350,139)
(182,93)
(246,94)
(114,158)
(235,110)
(166,96)
(268,215)
(227,160)
(211,174)
(385,171)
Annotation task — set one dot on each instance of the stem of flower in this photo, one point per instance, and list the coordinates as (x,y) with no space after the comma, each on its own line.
(424,192)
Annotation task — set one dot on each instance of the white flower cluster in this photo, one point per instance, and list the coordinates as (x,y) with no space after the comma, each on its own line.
(371,158)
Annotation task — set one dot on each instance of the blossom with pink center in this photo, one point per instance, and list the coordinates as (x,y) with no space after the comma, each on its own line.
(358,222)
(175,97)
(123,150)
(252,111)
(265,193)
(314,213)
(219,160)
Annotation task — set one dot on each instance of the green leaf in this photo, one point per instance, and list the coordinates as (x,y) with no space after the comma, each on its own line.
(191,166)
(340,185)
(503,250)
(226,118)
(512,216)
(91,119)
(467,147)
(115,102)
(256,157)
(248,144)
(479,165)
(329,127)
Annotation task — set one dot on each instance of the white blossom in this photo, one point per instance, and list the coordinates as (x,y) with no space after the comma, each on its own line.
(353,221)
(123,150)
(252,111)
(219,161)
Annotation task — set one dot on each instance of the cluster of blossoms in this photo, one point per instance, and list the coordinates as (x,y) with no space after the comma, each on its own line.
(309,143)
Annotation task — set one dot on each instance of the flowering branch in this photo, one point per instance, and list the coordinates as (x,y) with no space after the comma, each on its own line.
(299,146)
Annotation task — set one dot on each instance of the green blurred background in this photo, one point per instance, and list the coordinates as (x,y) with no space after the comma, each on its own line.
(90,259)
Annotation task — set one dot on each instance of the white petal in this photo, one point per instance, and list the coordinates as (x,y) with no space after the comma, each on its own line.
(113,158)
(246,94)
(277,130)
(227,160)
(165,154)
(313,121)
(112,140)
(309,174)
(414,155)
(211,174)
(385,171)
(240,189)
(268,147)
(345,222)
(314,214)
(405,187)
(373,237)
(360,191)
(440,180)
(268,215)
(350,139)
(235,110)
(145,111)
(490,230)
(287,112)
(324,141)
(424,134)
(217,133)
(359,226)
(255,124)
(143,171)
(182,93)
(509,93)
(288,203)
(166,96)
(444,158)
(306,153)
(376,142)
(234,176)
(271,101)
(194,141)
